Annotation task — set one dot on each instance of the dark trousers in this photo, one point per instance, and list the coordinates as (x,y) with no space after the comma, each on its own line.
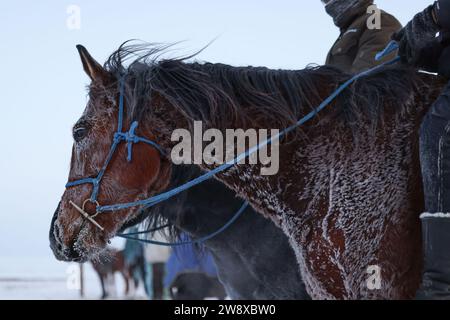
(435,154)
(158,277)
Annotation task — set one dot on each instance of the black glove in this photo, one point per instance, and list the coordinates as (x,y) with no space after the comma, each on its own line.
(417,35)
(427,58)
(444,38)
(442,13)
(444,63)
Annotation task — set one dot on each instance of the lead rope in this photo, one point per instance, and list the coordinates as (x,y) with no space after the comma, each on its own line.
(171,193)
(130,236)
(391,47)
(130,138)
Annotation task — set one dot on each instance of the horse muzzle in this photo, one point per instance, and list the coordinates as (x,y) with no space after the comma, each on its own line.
(61,251)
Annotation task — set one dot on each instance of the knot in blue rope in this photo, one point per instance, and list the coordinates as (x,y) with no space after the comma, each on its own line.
(118,137)
(129,137)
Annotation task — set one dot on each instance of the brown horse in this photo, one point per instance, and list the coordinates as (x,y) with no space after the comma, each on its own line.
(107,268)
(348,193)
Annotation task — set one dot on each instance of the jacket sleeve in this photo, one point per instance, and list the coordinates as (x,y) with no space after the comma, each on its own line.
(374,41)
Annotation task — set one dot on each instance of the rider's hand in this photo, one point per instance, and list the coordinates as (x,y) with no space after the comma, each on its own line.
(417,35)
(442,14)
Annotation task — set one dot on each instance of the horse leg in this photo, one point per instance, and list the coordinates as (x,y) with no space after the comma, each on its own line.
(102,283)
(112,284)
(127,279)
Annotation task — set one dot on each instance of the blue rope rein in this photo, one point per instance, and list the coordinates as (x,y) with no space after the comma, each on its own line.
(171,193)
(130,236)
(158,228)
(130,138)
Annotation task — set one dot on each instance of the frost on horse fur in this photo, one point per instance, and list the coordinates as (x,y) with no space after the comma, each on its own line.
(355,203)
(356,217)
(348,193)
(357,210)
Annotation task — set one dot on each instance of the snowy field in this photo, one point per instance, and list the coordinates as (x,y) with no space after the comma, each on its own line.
(47,279)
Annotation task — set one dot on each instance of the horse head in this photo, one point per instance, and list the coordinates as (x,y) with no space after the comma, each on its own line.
(78,231)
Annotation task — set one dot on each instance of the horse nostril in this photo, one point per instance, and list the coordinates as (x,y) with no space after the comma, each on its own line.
(72,254)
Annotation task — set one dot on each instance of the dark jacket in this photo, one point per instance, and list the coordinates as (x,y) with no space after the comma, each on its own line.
(356,47)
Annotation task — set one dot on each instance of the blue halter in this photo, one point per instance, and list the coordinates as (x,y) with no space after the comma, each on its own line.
(119,136)
(130,138)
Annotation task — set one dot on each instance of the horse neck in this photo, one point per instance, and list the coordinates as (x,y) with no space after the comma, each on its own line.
(255,118)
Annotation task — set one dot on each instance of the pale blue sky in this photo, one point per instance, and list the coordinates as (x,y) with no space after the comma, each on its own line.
(42,84)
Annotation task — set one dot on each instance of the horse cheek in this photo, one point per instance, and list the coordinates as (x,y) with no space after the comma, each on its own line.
(145,167)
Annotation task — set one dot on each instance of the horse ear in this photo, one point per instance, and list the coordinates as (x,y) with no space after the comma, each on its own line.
(93,69)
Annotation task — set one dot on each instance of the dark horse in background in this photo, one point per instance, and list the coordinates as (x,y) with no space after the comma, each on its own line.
(253,257)
(348,193)
(196,286)
(106,269)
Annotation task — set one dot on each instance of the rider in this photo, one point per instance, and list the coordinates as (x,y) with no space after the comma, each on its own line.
(358,43)
(421,48)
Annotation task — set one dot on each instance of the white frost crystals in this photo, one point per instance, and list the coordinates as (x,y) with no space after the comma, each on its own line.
(435,215)
(222,150)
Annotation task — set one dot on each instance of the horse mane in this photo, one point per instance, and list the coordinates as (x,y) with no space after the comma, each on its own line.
(212,92)
(215,93)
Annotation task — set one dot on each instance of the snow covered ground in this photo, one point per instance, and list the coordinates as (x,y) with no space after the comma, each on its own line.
(45,278)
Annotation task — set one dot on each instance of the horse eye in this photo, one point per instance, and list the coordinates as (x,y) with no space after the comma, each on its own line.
(79,133)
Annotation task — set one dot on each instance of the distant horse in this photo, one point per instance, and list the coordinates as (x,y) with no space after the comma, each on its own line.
(348,193)
(106,268)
